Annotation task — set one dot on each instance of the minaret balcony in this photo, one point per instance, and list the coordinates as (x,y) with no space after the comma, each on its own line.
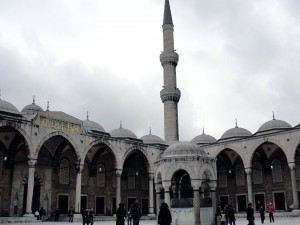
(169,57)
(170,94)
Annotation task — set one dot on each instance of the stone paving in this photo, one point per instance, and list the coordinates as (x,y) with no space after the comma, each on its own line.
(240,221)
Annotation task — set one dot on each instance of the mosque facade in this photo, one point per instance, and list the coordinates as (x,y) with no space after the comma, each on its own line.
(53,160)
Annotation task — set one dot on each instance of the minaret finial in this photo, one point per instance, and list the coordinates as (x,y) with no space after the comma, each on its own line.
(167,14)
(149,130)
(203,130)
(273,115)
(33,102)
(121,124)
(236,124)
(87,115)
(47,105)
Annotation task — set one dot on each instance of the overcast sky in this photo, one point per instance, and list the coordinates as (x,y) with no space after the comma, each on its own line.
(239,59)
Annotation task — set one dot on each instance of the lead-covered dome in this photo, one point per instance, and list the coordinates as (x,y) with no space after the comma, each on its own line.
(122,133)
(32,108)
(183,148)
(8,107)
(89,125)
(151,139)
(274,125)
(203,139)
(236,132)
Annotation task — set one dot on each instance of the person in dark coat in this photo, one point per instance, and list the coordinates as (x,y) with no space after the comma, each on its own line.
(250,214)
(56,214)
(164,216)
(135,212)
(71,215)
(85,217)
(261,210)
(91,216)
(121,214)
(231,215)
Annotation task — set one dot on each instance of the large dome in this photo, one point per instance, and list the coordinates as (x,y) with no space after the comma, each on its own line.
(8,107)
(89,125)
(152,139)
(236,132)
(274,125)
(203,139)
(122,133)
(183,148)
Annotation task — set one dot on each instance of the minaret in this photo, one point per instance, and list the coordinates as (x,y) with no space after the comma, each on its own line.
(170,94)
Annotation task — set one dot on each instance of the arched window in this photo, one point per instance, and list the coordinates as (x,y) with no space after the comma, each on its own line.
(101,175)
(222,177)
(257,173)
(131,178)
(276,171)
(239,175)
(64,175)
(144,179)
(84,175)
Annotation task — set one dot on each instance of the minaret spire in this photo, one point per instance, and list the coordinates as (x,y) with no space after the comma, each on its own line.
(170,94)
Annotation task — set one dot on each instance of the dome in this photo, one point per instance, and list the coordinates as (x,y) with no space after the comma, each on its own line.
(152,139)
(8,107)
(32,108)
(274,125)
(183,148)
(203,139)
(89,125)
(122,133)
(236,132)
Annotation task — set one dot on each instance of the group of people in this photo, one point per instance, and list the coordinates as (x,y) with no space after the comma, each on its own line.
(88,216)
(134,213)
(40,214)
(229,217)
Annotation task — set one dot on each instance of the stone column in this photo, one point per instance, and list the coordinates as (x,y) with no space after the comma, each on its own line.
(78,189)
(294,185)
(196,205)
(166,186)
(118,188)
(158,201)
(151,197)
(213,186)
(31,165)
(249,184)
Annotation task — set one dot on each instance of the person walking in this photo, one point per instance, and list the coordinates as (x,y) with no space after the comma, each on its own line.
(57,214)
(231,215)
(250,214)
(135,212)
(91,216)
(85,217)
(226,212)
(121,214)
(261,210)
(129,218)
(164,216)
(71,215)
(219,214)
(271,210)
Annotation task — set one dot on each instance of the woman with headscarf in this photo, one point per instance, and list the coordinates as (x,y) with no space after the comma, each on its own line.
(164,216)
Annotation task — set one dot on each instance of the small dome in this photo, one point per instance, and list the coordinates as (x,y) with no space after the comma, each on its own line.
(274,125)
(122,133)
(203,139)
(32,108)
(236,132)
(183,148)
(8,107)
(89,125)
(152,139)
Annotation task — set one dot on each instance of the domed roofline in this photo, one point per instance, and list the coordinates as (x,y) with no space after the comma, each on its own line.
(123,133)
(152,139)
(273,126)
(7,107)
(235,133)
(32,108)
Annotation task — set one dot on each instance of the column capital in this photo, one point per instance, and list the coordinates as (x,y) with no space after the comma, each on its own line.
(166,185)
(292,165)
(150,176)
(248,170)
(158,187)
(119,172)
(196,184)
(31,163)
(213,185)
